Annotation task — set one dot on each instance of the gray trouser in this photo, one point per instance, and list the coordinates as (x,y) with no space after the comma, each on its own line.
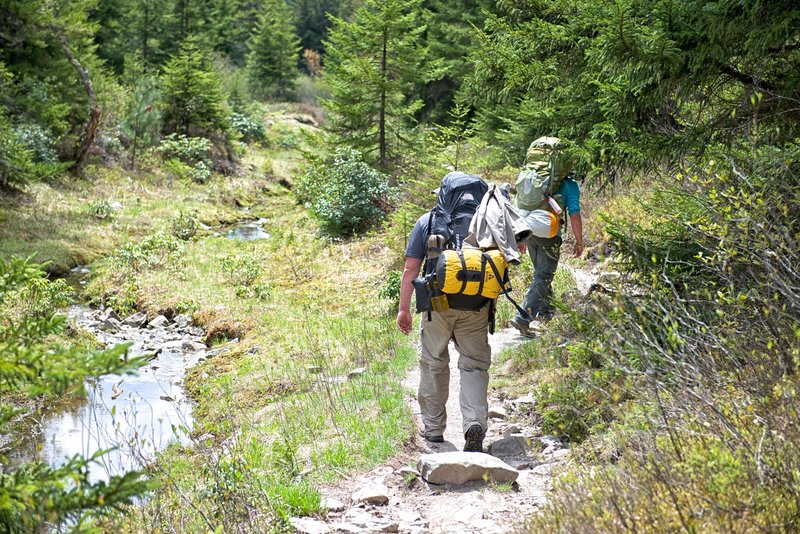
(544,255)
(469,330)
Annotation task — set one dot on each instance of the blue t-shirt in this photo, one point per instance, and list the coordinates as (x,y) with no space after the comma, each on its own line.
(570,193)
(418,242)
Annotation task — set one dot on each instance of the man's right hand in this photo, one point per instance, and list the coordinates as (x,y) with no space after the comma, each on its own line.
(404,321)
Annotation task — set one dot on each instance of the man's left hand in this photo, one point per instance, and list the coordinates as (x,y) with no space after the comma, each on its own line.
(578,251)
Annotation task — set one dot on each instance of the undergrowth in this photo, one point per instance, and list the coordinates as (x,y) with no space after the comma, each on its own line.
(683,384)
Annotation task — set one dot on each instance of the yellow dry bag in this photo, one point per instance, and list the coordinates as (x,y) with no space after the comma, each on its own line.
(469,272)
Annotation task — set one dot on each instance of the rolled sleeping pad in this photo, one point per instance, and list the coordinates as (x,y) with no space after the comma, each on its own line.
(543,223)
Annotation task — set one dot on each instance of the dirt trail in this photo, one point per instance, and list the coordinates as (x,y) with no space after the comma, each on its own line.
(414,506)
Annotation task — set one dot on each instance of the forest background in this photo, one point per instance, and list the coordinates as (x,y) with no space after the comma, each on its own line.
(679,384)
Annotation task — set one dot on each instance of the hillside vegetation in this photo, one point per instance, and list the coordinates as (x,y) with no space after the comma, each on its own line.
(134,134)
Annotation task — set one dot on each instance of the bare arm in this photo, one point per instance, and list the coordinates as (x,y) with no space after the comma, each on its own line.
(577,231)
(410,271)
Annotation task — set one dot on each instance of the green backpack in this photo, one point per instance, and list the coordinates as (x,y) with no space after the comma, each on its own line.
(545,168)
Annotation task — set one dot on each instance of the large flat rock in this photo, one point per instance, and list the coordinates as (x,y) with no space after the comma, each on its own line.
(458,468)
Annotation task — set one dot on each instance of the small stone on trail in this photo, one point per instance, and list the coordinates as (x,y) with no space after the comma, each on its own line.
(137,320)
(109,325)
(158,322)
(306,525)
(550,441)
(109,313)
(460,467)
(332,505)
(558,454)
(193,346)
(372,494)
(497,412)
(525,399)
(358,371)
(510,446)
(182,321)
(196,331)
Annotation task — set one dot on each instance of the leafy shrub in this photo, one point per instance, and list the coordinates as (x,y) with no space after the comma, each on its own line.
(38,141)
(185,225)
(200,173)
(153,251)
(344,193)
(391,287)
(101,209)
(189,150)
(16,159)
(250,128)
(242,270)
(707,342)
(25,291)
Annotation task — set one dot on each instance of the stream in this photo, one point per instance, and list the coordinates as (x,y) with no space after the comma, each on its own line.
(139,414)
(135,415)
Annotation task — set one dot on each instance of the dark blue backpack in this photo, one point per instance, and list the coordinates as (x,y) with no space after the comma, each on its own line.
(460,195)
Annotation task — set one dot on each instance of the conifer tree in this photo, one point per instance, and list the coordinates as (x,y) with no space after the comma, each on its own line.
(192,99)
(451,36)
(374,66)
(274,53)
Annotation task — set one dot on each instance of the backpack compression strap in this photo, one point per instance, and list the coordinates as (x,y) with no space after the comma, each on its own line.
(504,290)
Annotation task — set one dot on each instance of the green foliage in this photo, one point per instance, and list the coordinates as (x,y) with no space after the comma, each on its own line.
(250,128)
(141,124)
(373,66)
(185,149)
(101,209)
(708,344)
(391,287)
(274,53)
(450,38)
(155,250)
(241,269)
(200,173)
(637,84)
(15,158)
(192,99)
(449,140)
(33,495)
(38,141)
(313,20)
(185,225)
(25,292)
(344,193)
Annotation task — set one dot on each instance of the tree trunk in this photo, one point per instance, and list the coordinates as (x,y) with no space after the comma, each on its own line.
(94,109)
(382,117)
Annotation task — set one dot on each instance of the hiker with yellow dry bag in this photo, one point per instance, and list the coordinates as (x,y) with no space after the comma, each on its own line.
(455,295)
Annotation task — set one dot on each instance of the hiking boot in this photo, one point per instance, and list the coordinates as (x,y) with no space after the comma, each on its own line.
(474,439)
(433,438)
(523,327)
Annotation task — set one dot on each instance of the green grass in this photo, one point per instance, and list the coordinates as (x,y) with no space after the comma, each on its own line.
(271,430)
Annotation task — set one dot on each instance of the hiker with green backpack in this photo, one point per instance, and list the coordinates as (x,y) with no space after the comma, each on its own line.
(545,193)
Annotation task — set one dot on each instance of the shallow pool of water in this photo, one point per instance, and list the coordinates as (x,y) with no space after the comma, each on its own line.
(136,414)
(249,231)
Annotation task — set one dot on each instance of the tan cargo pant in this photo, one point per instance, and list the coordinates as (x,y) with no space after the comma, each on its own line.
(470,331)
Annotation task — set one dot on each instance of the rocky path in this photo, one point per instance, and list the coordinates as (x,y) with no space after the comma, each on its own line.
(395,498)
